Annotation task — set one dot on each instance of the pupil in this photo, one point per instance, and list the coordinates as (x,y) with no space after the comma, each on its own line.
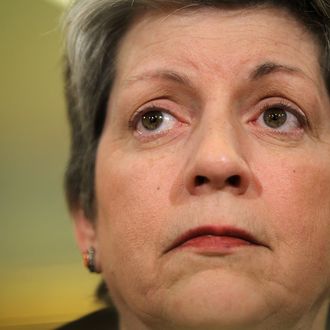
(152,120)
(275,118)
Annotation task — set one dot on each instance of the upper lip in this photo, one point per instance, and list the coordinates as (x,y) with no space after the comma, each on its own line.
(225,231)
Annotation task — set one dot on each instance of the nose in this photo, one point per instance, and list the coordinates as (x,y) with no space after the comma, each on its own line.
(217,163)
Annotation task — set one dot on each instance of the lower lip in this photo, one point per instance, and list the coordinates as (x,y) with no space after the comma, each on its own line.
(219,244)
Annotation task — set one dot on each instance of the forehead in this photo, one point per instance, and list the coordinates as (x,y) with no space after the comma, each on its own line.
(217,41)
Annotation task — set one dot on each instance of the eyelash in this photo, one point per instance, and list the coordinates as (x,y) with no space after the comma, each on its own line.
(301,118)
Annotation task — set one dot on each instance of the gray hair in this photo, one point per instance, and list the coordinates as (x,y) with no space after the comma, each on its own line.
(94,29)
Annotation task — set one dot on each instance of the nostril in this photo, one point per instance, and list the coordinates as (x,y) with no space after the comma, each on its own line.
(200,180)
(234,181)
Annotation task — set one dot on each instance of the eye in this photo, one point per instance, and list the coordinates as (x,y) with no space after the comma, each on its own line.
(154,121)
(281,118)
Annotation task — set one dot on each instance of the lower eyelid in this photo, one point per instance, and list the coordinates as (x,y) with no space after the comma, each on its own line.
(162,136)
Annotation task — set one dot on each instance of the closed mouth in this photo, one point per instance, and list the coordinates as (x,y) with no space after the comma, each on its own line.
(225,232)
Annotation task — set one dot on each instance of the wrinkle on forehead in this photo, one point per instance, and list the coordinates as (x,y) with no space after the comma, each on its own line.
(159,33)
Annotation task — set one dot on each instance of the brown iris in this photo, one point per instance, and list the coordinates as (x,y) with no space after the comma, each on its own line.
(152,120)
(275,117)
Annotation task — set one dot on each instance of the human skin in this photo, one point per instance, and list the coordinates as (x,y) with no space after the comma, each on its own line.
(200,68)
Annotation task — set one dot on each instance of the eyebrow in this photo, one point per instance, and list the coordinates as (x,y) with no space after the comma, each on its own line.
(268,68)
(169,75)
(259,72)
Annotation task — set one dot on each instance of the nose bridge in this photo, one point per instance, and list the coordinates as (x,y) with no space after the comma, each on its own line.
(217,158)
(218,137)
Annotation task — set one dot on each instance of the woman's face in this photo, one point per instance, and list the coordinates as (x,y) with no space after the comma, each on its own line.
(213,174)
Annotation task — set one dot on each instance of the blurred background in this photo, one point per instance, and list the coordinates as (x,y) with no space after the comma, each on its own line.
(42,281)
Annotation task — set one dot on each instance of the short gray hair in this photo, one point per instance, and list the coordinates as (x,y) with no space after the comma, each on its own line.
(93,30)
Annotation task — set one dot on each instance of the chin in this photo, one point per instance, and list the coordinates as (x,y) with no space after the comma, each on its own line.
(210,300)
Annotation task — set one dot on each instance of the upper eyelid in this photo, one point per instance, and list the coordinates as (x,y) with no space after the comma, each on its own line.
(282,106)
(279,100)
(148,108)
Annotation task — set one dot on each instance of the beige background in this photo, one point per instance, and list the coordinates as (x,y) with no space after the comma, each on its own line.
(42,280)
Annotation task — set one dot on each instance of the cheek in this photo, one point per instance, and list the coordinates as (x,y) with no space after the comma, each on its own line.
(299,194)
(296,194)
(132,198)
(133,209)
